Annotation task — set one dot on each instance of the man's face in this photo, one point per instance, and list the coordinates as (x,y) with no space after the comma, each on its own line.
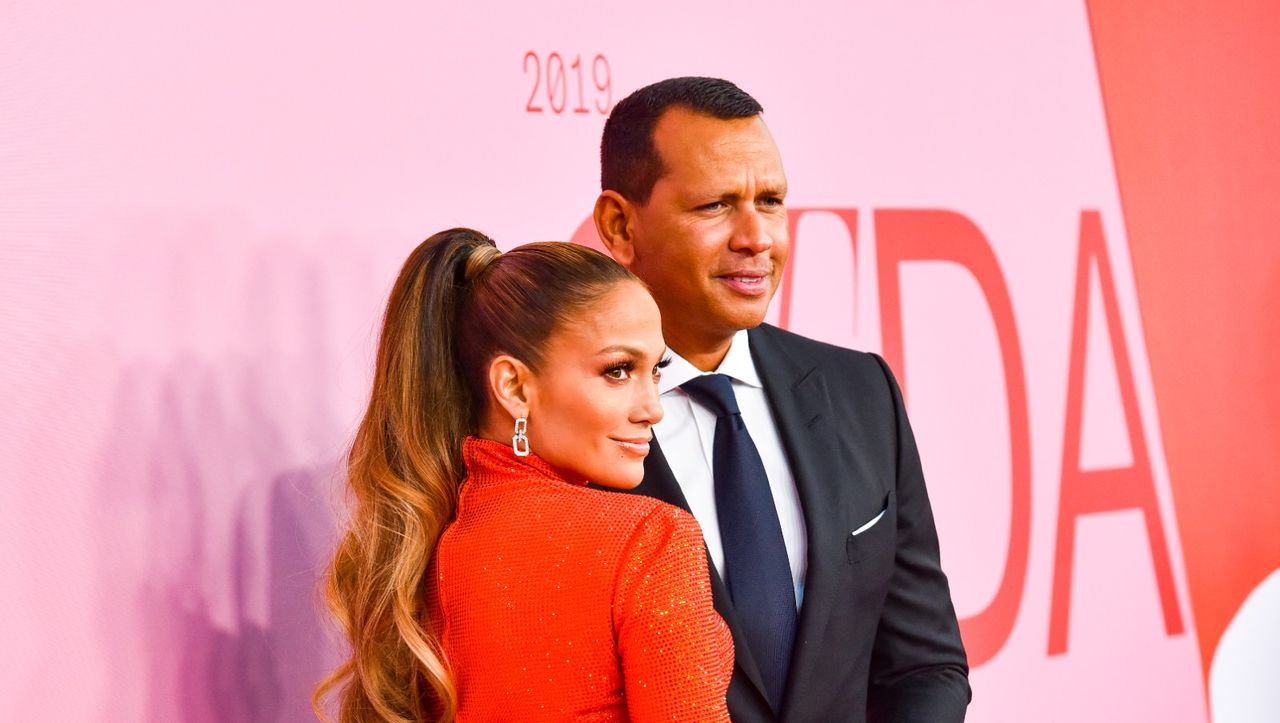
(711,242)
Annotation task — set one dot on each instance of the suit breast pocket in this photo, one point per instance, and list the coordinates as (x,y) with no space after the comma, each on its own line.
(871,537)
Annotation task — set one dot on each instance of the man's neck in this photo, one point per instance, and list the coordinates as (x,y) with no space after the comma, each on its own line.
(705,353)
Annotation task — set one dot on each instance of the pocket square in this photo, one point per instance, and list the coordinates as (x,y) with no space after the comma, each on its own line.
(869,523)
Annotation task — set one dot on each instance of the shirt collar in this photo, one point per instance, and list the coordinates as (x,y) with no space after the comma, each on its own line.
(737,364)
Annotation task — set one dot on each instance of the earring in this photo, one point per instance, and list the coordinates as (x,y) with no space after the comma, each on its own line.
(520,442)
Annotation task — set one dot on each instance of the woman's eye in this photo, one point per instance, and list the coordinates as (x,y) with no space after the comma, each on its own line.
(657,368)
(618,373)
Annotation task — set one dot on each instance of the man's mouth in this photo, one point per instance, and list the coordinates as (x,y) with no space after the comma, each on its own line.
(748,283)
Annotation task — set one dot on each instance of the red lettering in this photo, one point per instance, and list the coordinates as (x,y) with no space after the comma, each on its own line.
(850,218)
(1086,492)
(937,235)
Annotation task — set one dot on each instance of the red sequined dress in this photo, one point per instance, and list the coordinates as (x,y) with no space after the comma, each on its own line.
(555,601)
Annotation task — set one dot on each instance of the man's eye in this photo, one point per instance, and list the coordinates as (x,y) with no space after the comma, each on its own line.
(772,201)
(713,206)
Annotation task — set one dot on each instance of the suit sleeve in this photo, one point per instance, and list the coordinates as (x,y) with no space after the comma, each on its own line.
(919,672)
(677,653)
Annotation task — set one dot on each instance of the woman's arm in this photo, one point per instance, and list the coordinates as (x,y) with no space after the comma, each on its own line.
(677,654)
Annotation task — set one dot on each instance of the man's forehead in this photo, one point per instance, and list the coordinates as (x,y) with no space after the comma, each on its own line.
(679,126)
(683,135)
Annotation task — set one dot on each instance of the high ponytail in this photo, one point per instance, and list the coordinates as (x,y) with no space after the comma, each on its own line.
(457,303)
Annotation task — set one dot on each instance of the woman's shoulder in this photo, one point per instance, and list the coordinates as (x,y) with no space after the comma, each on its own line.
(664,524)
(634,518)
(668,516)
(614,506)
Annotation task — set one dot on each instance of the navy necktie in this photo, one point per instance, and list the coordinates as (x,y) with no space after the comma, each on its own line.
(755,557)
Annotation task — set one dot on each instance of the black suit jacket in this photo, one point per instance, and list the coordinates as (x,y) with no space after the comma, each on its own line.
(877,638)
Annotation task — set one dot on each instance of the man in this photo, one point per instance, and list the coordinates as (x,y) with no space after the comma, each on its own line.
(795,456)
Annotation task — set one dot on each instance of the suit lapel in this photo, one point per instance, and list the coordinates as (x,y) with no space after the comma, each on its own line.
(798,397)
(659,482)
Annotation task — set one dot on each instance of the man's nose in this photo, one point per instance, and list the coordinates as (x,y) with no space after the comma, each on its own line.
(750,233)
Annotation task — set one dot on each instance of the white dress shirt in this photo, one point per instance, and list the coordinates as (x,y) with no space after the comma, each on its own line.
(686,435)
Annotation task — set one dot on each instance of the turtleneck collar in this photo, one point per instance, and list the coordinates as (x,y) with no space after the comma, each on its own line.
(487,459)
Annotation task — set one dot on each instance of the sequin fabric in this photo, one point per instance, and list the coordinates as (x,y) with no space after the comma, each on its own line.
(554,601)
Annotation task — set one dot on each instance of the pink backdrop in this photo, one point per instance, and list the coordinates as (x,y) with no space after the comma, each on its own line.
(203,205)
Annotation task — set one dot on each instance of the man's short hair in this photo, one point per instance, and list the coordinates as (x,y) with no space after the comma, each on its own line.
(629,161)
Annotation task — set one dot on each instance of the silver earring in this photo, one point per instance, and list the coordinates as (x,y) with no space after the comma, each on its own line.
(520,442)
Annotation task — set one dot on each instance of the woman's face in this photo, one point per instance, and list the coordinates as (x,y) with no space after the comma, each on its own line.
(594,402)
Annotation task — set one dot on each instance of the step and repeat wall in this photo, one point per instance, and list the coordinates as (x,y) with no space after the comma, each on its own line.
(1057,221)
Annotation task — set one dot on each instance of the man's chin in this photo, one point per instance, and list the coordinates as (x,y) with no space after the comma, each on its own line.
(748,313)
(743,318)
(716,316)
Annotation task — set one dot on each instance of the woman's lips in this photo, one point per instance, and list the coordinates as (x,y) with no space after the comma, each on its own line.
(638,447)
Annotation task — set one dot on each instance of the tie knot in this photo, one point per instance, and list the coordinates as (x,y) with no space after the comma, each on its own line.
(715,392)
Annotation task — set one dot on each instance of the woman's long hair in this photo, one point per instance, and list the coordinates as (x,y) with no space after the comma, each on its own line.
(457,303)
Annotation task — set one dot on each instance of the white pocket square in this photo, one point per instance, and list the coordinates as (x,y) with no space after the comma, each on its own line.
(869,524)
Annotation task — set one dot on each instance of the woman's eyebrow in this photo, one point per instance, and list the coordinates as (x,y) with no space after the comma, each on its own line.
(623,348)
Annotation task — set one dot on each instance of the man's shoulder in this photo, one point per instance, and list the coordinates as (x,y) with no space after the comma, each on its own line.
(769,339)
(855,374)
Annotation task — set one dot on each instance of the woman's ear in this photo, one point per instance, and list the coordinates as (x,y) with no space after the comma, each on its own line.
(509,379)
(612,215)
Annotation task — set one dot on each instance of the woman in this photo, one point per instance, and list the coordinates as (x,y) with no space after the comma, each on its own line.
(480,578)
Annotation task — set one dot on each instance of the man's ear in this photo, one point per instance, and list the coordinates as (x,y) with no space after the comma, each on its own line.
(509,381)
(613,216)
